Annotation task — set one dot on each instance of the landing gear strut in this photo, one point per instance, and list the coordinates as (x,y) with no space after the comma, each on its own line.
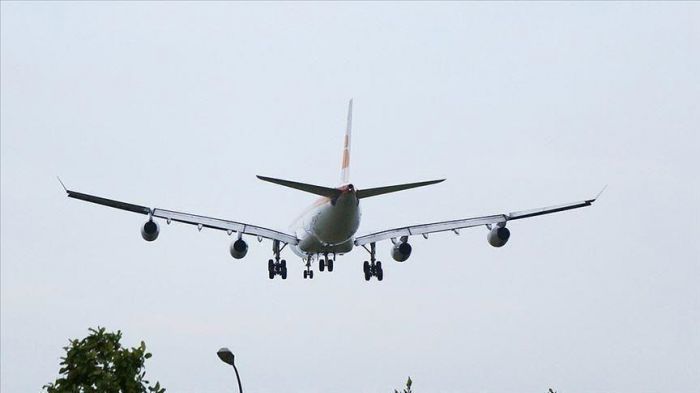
(275,267)
(308,273)
(325,262)
(373,267)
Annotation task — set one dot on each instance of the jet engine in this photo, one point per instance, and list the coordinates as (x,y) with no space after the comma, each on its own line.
(150,230)
(401,251)
(498,236)
(239,248)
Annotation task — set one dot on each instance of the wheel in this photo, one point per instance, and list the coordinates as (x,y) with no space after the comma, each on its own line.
(367,275)
(284,272)
(321,264)
(306,273)
(284,264)
(270,266)
(380,274)
(330,265)
(379,265)
(311,274)
(271,274)
(365,267)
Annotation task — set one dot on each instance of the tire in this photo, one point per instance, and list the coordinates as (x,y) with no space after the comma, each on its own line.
(311,274)
(367,276)
(365,267)
(284,264)
(284,272)
(306,274)
(379,265)
(330,265)
(321,264)
(271,274)
(270,266)
(380,274)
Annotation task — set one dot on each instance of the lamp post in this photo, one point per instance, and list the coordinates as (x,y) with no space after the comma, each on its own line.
(227,357)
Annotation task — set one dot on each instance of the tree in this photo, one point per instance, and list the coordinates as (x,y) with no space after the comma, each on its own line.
(408,389)
(99,363)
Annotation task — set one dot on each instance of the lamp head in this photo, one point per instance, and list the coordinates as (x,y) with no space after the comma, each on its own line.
(225,355)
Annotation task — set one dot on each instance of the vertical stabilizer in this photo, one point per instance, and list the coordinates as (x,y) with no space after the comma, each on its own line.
(345,164)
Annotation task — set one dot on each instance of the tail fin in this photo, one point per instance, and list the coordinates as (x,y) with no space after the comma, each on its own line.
(345,164)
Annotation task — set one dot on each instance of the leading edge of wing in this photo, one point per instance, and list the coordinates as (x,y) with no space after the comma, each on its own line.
(454,225)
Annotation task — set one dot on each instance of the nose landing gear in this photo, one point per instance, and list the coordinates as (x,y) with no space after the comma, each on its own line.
(308,273)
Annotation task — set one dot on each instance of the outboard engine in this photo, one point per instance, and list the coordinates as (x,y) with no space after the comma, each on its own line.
(401,251)
(239,248)
(150,231)
(498,236)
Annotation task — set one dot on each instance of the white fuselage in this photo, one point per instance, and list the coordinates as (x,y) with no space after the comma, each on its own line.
(328,226)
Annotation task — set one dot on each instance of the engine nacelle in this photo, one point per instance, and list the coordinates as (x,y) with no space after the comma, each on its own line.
(239,248)
(498,236)
(401,251)
(150,230)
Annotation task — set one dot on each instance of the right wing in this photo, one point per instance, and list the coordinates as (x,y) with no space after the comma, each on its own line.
(454,225)
(193,219)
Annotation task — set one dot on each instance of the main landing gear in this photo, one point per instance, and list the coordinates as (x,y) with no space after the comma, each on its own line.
(275,267)
(325,262)
(373,267)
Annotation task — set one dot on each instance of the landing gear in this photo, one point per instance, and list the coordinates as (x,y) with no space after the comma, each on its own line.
(308,273)
(325,263)
(277,266)
(373,267)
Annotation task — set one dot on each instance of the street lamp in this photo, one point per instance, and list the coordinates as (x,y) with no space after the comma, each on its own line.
(227,357)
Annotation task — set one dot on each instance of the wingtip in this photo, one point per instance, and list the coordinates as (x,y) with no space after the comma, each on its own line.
(597,196)
(62,185)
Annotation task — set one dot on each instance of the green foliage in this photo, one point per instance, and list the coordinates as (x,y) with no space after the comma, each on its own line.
(99,363)
(408,389)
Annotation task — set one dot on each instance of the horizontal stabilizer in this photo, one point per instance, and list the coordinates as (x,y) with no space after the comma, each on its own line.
(370,192)
(318,190)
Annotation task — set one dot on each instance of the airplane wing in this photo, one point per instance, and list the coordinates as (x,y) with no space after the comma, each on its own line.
(455,225)
(193,219)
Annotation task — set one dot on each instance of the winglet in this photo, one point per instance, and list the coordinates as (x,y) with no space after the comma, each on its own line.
(63,185)
(597,196)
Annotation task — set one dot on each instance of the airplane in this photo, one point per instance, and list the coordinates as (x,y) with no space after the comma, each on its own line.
(327,228)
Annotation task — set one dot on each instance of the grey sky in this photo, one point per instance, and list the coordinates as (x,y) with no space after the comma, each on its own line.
(180,105)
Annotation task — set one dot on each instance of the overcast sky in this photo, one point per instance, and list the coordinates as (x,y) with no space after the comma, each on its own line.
(517,105)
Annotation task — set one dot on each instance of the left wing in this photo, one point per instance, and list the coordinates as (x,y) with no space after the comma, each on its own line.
(455,225)
(193,219)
